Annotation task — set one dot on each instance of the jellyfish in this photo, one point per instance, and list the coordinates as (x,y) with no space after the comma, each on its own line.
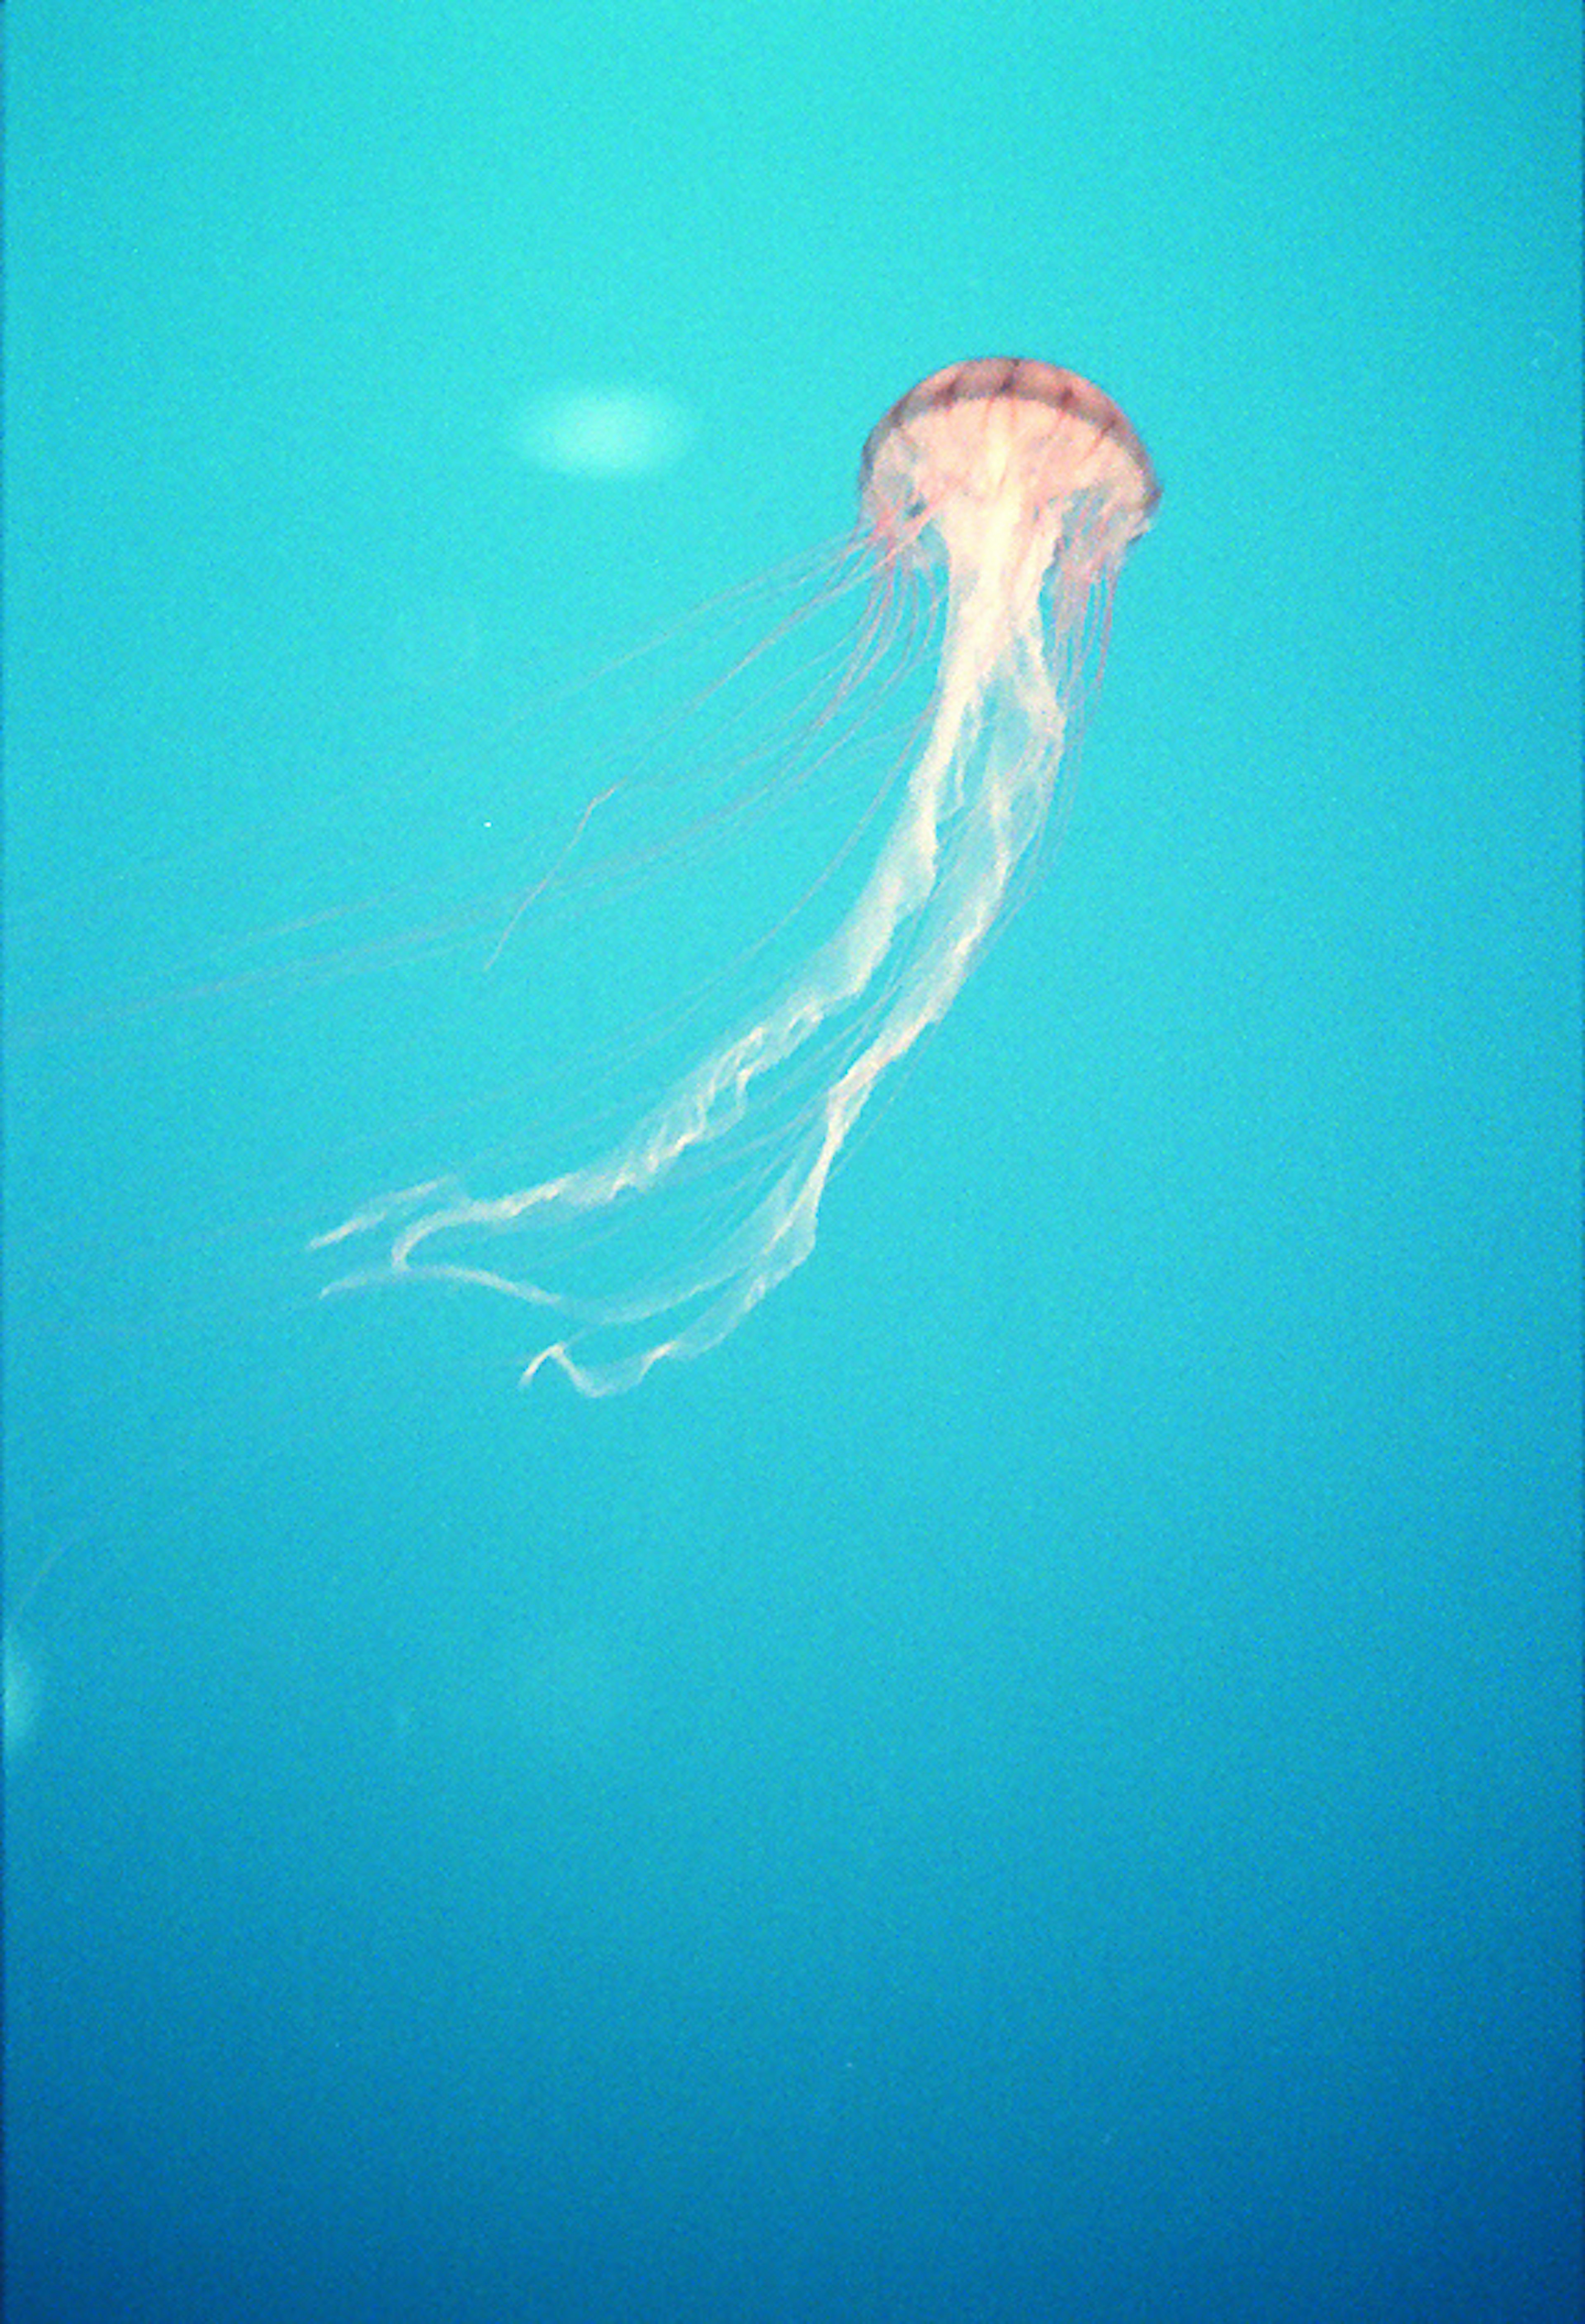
(998,500)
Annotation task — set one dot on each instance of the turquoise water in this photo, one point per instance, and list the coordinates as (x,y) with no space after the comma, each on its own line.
(1039,1779)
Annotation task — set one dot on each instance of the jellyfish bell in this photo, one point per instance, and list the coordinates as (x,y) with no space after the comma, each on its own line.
(998,500)
(994,451)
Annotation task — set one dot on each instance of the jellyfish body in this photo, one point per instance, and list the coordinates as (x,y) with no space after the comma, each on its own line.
(1010,491)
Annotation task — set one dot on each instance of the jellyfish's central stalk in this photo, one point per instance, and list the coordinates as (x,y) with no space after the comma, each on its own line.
(1029,485)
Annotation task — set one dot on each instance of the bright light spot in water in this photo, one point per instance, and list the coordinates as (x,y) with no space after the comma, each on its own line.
(608,431)
(23,1696)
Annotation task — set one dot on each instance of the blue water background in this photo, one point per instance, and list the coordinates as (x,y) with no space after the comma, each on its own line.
(1039,1781)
